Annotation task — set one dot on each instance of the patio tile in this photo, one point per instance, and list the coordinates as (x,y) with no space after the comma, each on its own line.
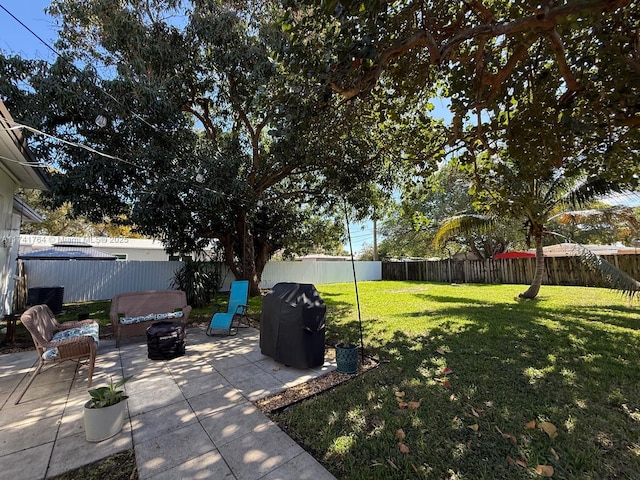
(66,455)
(289,376)
(227,360)
(255,355)
(302,467)
(192,387)
(136,347)
(30,410)
(29,464)
(242,372)
(72,421)
(22,435)
(254,455)
(151,398)
(160,380)
(211,465)
(259,387)
(7,386)
(234,422)
(161,421)
(17,363)
(172,449)
(190,369)
(215,400)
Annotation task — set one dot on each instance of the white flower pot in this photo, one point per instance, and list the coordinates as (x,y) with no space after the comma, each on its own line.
(103,423)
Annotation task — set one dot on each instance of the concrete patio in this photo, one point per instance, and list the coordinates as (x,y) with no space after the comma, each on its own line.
(190,417)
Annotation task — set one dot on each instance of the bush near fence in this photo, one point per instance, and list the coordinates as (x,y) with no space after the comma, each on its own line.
(558,270)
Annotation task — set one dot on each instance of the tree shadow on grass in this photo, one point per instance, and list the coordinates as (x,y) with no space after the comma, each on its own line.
(478,384)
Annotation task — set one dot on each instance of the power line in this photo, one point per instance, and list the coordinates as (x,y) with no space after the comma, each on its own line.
(59,55)
(29,30)
(19,126)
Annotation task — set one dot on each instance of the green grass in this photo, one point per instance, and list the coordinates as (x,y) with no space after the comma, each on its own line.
(570,357)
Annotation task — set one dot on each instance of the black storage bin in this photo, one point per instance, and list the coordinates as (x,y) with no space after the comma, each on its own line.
(292,327)
(166,340)
(51,296)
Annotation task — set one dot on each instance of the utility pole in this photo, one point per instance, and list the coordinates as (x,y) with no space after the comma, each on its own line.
(375,239)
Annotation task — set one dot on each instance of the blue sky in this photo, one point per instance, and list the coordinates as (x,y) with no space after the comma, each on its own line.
(15,39)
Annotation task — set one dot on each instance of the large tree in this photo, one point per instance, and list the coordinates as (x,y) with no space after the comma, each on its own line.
(208,135)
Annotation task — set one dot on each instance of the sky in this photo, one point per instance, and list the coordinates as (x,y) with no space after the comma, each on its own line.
(16,39)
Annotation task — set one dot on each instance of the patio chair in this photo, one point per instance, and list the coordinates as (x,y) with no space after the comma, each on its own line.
(224,324)
(56,343)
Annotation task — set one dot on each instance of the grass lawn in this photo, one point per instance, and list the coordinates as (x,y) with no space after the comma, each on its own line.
(470,375)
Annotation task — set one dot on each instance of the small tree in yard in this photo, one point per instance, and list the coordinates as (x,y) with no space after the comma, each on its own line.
(537,159)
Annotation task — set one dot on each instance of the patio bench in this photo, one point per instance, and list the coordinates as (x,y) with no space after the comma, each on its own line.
(132,312)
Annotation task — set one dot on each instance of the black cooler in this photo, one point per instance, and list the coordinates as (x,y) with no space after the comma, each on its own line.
(292,327)
(165,340)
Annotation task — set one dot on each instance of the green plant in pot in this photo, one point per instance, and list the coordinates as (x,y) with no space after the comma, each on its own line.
(104,413)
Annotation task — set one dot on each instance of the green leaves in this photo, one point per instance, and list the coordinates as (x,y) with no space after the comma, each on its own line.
(108,395)
(461,224)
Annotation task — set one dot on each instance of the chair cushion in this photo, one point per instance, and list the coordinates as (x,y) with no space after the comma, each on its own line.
(151,317)
(91,330)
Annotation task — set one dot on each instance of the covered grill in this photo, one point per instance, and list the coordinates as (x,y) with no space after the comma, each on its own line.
(292,327)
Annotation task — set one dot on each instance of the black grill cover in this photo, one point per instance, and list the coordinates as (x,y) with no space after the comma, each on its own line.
(292,326)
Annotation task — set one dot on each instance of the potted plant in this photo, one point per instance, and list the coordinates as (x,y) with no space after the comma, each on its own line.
(104,412)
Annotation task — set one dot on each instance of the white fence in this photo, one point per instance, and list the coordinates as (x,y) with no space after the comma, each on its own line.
(95,280)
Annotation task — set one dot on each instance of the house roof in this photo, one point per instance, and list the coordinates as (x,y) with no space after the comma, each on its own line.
(26,213)
(66,251)
(572,249)
(15,157)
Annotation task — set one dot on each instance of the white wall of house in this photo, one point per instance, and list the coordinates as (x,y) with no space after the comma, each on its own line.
(18,169)
(7,236)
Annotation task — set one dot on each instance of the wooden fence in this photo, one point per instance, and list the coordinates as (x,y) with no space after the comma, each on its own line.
(558,270)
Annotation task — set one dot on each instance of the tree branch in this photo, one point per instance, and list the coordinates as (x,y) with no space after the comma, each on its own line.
(540,22)
(565,71)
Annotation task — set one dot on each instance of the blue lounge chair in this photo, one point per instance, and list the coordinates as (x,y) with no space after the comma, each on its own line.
(223,324)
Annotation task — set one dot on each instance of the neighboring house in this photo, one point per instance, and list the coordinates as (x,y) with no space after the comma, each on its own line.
(136,249)
(68,251)
(571,249)
(321,257)
(18,169)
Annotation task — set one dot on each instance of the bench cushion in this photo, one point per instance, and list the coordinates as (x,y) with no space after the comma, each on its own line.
(92,330)
(150,317)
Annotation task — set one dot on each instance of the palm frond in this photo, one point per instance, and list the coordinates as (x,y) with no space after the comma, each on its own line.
(618,280)
(609,215)
(592,189)
(460,225)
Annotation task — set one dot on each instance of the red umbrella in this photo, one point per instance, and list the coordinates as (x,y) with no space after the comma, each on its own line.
(515,255)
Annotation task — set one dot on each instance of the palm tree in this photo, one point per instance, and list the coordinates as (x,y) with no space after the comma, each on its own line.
(536,200)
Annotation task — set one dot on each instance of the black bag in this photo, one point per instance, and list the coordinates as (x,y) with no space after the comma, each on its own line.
(166,340)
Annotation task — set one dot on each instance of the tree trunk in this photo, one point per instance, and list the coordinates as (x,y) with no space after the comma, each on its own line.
(534,288)
(247,259)
(240,255)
